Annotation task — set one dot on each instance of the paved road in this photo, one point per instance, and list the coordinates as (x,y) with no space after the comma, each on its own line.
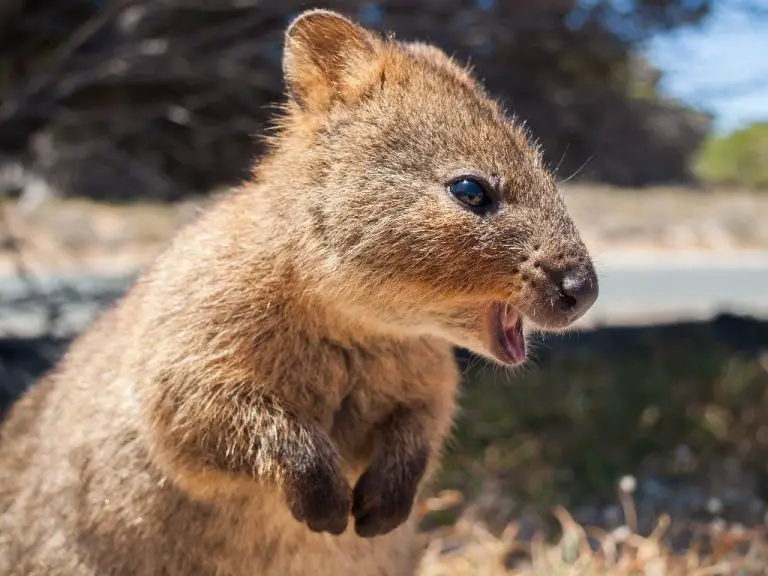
(632,290)
(646,290)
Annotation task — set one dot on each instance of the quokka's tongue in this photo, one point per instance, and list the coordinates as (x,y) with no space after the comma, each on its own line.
(512,325)
(517,341)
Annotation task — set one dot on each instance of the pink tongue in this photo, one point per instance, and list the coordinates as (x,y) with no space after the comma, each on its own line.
(516,340)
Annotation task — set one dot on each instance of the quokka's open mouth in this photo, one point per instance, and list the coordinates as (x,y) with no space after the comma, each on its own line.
(507,323)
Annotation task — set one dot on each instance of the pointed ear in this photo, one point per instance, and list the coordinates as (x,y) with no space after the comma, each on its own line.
(327,57)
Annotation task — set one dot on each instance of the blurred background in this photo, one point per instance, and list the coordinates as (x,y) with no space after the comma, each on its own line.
(120,118)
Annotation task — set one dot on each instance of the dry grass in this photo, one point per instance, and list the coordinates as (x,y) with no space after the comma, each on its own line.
(470,548)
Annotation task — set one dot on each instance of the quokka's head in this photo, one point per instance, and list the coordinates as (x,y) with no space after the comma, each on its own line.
(431,208)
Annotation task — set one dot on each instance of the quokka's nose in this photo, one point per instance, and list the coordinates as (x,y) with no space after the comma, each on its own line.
(578,290)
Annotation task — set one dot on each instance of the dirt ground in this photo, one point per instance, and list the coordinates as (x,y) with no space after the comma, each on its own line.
(670,219)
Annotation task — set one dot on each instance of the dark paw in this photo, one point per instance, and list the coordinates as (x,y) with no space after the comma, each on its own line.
(321,499)
(383,496)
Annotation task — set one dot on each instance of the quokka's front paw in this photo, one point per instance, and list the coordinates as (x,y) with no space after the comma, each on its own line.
(383,496)
(320,497)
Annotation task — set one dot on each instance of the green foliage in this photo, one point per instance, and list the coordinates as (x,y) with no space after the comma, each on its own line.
(610,403)
(739,158)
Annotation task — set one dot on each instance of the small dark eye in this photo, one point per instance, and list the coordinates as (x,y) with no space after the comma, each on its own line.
(470,192)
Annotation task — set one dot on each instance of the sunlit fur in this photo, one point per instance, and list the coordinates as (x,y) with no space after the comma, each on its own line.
(297,335)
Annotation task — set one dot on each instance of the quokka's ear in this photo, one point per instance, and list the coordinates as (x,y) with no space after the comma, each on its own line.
(326,57)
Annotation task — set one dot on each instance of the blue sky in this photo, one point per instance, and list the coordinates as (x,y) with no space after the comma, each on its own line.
(721,66)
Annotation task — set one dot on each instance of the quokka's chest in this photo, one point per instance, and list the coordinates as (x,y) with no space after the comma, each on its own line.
(359,421)
(374,384)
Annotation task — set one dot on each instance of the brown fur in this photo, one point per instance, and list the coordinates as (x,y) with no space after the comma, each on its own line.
(283,373)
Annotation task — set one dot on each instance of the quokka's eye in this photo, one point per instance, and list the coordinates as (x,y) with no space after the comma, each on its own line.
(470,193)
